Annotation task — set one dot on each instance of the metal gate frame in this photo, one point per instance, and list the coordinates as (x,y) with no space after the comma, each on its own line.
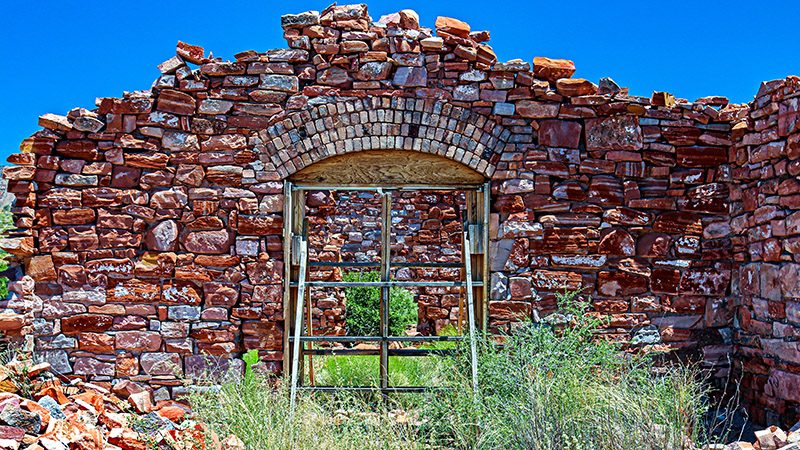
(475,246)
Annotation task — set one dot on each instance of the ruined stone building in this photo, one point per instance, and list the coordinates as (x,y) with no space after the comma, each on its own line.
(151,228)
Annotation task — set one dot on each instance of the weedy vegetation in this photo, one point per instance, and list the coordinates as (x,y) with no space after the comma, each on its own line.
(542,386)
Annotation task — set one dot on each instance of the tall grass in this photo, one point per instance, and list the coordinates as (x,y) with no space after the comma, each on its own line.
(260,417)
(546,388)
(551,388)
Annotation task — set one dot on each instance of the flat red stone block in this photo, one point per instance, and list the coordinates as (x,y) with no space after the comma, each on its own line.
(702,156)
(614,133)
(191,53)
(705,281)
(86,323)
(176,102)
(560,133)
(452,26)
(665,281)
(679,223)
(260,225)
(615,284)
(552,69)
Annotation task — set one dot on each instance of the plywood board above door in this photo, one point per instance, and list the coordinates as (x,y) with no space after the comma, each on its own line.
(388,167)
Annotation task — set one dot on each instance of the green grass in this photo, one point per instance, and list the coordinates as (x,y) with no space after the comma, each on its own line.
(364,370)
(546,388)
(357,370)
(259,416)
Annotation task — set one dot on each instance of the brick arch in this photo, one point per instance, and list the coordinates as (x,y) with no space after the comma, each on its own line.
(342,126)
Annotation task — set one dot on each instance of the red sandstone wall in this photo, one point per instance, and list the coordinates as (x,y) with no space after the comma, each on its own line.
(151,226)
(766,223)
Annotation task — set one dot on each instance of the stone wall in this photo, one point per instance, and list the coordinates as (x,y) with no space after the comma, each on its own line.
(151,226)
(766,225)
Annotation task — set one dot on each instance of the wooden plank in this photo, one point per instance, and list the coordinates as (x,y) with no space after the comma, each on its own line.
(382,167)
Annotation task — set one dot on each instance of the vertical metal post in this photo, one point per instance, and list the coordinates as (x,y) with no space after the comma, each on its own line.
(487,198)
(471,311)
(310,322)
(386,254)
(298,322)
(287,267)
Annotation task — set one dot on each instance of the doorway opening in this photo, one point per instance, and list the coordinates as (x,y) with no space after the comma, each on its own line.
(374,234)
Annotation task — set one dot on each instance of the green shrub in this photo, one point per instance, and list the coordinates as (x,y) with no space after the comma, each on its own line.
(363,312)
(6,223)
(559,387)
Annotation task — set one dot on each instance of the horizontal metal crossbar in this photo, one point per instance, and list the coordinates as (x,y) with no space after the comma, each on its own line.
(376,351)
(394,264)
(429,264)
(388,284)
(350,339)
(311,187)
(388,390)
(342,264)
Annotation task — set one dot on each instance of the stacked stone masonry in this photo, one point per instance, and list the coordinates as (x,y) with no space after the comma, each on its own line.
(765,225)
(151,227)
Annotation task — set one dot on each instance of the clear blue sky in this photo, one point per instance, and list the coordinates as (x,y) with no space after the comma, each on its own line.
(63,54)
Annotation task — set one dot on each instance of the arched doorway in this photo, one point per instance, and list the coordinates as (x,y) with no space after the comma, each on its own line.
(386,175)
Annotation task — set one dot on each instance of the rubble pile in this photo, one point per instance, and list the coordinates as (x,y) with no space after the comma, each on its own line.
(772,438)
(39,411)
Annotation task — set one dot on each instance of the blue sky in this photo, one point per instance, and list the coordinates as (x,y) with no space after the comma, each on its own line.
(59,55)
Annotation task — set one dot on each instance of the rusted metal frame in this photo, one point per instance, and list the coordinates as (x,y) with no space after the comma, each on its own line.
(297,214)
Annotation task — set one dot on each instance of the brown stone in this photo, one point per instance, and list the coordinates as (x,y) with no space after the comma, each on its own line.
(176,102)
(614,133)
(573,87)
(616,284)
(208,242)
(678,223)
(537,110)
(163,236)
(260,225)
(702,156)
(138,341)
(552,69)
(191,53)
(617,242)
(560,133)
(41,268)
(451,26)
(86,323)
